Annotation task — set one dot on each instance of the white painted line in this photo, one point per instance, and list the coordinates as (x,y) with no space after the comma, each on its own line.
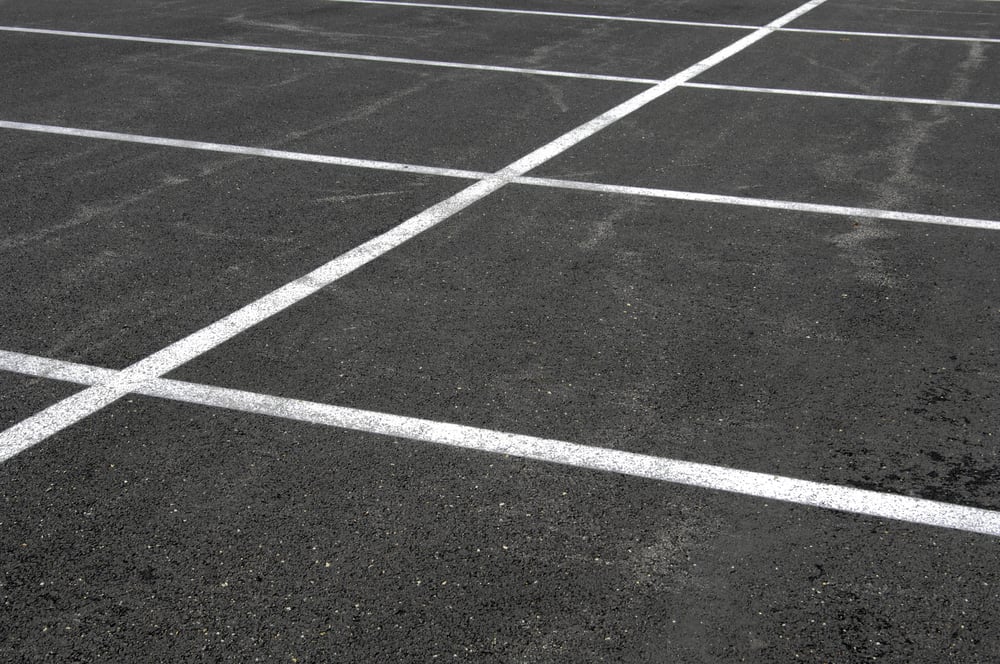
(332,54)
(243,150)
(721,478)
(797,206)
(845,95)
(78,406)
(891,35)
(698,24)
(819,208)
(491,68)
(67,412)
(44,367)
(533,12)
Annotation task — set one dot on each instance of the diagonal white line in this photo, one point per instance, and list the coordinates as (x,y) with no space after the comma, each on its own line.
(329,54)
(71,410)
(535,12)
(846,95)
(721,478)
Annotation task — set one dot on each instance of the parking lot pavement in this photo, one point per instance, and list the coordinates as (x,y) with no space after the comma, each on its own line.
(557,332)
(24,395)
(963,18)
(355,109)
(939,70)
(831,151)
(169,530)
(689,331)
(115,250)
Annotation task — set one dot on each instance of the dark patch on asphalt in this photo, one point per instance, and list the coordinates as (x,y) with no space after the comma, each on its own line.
(937,160)
(833,349)
(963,71)
(481,120)
(113,251)
(23,396)
(164,532)
(953,18)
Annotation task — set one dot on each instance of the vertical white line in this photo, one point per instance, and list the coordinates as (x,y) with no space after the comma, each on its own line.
(67,412)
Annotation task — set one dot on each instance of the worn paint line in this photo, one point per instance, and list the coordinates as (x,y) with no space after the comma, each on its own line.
(706,476)
(330,54)
(891,35)
(567,15)
(794,206)
(845,95)
(241,150)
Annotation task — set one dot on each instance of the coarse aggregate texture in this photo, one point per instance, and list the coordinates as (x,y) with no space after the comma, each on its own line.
(20,396)
(344,108)
(936,160)
(959,18)
(858,353)
(114,251)
(173,533)
(831,349)
(867,65)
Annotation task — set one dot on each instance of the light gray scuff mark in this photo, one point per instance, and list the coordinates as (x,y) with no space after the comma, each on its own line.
(298,29)
(555,93)
(85,213)
(356,197)
(603,229)
(902,157)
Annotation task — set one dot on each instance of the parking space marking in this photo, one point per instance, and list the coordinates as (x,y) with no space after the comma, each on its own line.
(556,183)
(496,68)
(845,95)
(891,35)
(721,478)
(243,150)
(794,206)
(71,410)
(330,54)
(632,19)
(535,12)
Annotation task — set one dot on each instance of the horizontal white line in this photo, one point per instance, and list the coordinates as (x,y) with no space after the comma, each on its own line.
(721,199)
(534,12)
(332,54)
(698,24)
(846,95)
(493,68)
(758,485)
(838,210)
(891,35)
(819,208)
(243,150)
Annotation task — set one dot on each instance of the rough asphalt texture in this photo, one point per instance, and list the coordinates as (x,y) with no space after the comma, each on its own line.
(836,349)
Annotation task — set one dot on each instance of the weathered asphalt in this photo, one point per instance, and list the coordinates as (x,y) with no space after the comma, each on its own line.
(835,349)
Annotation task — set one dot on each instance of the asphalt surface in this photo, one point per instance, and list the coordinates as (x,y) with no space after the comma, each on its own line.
(832,348)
